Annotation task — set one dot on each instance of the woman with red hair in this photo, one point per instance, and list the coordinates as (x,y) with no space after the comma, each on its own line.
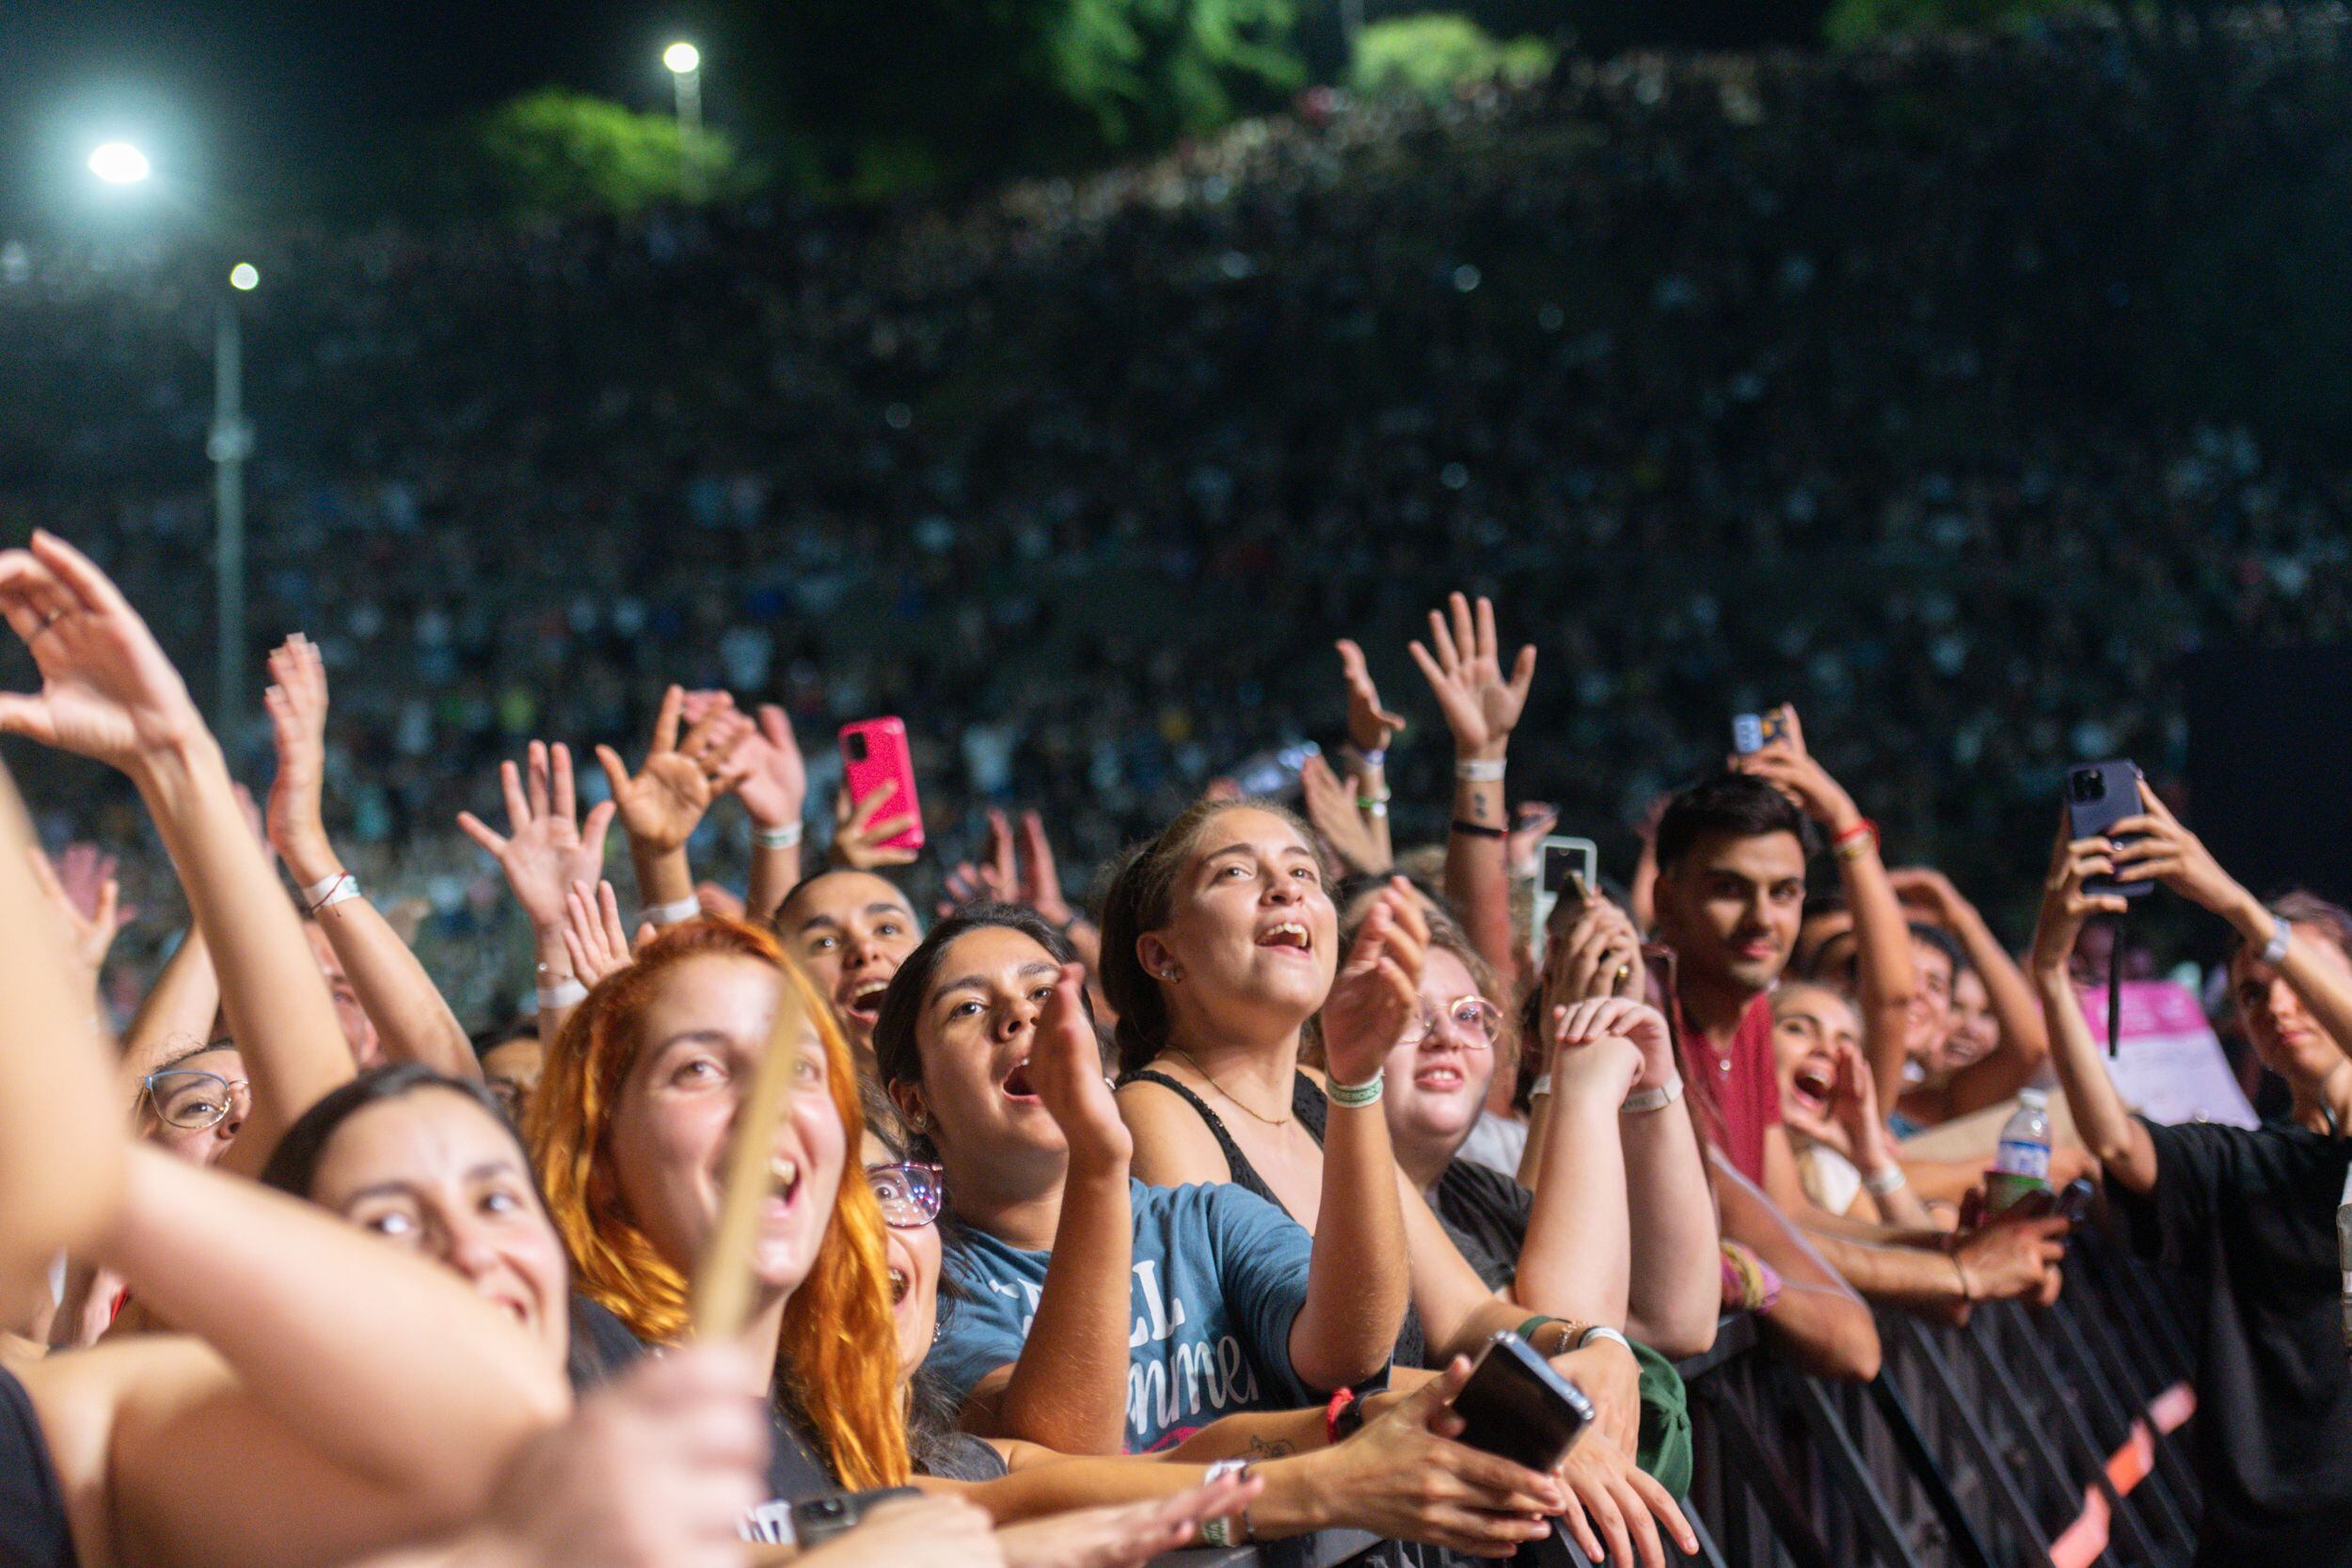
(629,1133)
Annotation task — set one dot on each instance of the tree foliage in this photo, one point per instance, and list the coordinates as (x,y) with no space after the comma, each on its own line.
(555,152)
(875,99)
(1435,53)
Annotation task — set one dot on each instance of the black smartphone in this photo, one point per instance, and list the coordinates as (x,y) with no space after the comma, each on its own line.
(2074,1204)
(1517,1407)
(2098,796)
(819,1519)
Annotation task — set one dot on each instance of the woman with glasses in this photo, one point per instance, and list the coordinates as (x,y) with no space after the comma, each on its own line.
(196,1103)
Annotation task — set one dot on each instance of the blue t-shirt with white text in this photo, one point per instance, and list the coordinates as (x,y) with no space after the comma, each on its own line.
(1220,1274)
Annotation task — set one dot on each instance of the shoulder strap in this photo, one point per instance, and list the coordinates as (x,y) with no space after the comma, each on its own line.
(1244,1173)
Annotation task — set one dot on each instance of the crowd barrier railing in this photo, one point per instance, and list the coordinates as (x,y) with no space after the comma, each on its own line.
(2032,1437)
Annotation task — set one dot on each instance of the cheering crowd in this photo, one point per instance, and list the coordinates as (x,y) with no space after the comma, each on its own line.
(1076,1235)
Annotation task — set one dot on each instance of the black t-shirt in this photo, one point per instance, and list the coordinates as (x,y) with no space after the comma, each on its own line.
(1485,1212)
(602,1347)
(2246,1220)
(33,1528)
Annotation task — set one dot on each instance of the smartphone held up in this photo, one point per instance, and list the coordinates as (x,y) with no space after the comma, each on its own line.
(874,757)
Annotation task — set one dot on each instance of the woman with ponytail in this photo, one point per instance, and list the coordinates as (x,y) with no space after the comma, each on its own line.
(629,1134)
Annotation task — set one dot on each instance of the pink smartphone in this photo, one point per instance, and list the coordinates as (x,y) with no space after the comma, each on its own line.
(874,752)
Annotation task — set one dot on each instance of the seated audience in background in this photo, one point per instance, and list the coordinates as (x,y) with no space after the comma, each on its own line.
(2243,1219)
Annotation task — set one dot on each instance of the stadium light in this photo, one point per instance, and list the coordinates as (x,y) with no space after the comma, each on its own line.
(119,163)
(245,278)
(682,58)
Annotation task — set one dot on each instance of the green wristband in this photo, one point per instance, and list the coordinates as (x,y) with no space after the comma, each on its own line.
(1354,1096)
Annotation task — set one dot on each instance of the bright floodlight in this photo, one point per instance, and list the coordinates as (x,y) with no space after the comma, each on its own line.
(682,57)
(245,277)
(120,164)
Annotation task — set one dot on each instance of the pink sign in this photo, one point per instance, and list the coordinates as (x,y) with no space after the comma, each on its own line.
(2170,1067)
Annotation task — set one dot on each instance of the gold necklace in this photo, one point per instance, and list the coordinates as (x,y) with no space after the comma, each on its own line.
(1191,1062)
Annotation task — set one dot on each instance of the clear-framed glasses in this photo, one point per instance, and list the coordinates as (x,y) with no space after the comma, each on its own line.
(184,1096)
(1476,1022)
(910,1193)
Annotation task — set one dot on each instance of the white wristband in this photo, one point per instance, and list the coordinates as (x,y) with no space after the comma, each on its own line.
(570,994)
(670,914)
(1889,1181)
(1602,1331)
(1479,770)
(1542,1085)
(785,837)
(1653,1100)
(2276,949)
(331,891)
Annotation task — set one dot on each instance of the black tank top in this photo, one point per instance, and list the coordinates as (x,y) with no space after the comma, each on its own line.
(33,1530)
(1308,1105)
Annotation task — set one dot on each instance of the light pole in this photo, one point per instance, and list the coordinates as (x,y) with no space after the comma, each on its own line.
(686,74)
(229,443)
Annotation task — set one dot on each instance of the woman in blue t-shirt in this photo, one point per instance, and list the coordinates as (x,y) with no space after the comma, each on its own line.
(1166,1307)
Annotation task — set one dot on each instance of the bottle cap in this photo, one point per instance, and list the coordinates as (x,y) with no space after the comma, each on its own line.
(2038,1098)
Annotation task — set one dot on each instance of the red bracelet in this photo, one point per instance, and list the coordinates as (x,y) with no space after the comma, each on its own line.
(1340,1404)
(1860,828)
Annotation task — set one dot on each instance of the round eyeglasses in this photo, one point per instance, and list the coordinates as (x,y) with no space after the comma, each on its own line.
(910,1193)
(185,1098)
(1475,1022)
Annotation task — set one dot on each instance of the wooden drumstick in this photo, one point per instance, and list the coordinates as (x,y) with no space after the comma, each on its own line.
(723,1280)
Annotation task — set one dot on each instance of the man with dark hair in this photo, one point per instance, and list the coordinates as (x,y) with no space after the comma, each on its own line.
(1730,896)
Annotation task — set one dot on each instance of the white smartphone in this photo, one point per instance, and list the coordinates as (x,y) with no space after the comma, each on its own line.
(1566,865)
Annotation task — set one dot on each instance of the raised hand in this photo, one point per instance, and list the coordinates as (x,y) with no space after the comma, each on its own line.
(1531,821)
(1369,726)
(107,692)
(663,802)
(1787,767)
(1925,888)
(2155,845)
(861,843)
(775,779)
(1065,1071)
(296,702)
(1849,1120)
(546,846)
(1481,706)
(1330,803)
(84,895)
(594,935)
(1377,992)
(1639,1025)
(2065,905)
(1592,951)
(996,878)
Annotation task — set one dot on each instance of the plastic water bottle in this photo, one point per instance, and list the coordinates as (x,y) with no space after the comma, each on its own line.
(2021,1164)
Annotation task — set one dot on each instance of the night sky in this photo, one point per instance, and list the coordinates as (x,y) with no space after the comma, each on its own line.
(242,93)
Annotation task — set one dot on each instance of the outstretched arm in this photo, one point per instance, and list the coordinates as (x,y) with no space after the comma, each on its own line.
(61,1168)
(547,852)
(1069,1389)
(663,802)
(2110,1131)
(1884,971)
(2025,1044)
(1482,706)
(108,692)
(410,1015)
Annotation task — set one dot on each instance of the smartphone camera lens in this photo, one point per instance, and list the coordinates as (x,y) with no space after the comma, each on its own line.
(2089,785)
(855,745)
